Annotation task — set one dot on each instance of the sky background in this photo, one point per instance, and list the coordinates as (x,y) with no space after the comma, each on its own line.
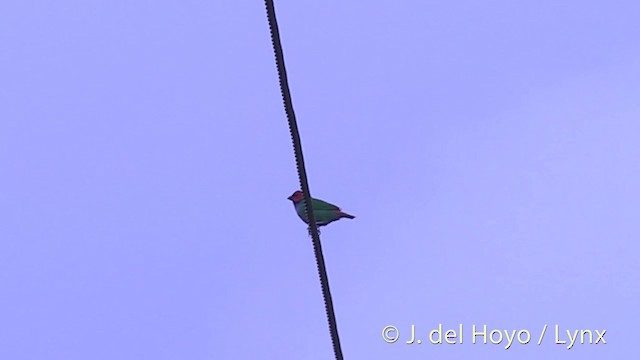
(489,150)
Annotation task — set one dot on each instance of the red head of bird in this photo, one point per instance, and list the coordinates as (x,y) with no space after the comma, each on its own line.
(296,197)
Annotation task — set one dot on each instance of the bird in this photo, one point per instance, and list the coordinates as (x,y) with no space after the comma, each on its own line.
(323,212)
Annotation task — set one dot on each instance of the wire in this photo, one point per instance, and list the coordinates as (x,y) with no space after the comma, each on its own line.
(302,175)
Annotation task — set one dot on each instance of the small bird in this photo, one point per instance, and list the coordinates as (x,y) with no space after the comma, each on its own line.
(323,212)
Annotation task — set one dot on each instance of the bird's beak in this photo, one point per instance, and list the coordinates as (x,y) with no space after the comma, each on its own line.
(290,197)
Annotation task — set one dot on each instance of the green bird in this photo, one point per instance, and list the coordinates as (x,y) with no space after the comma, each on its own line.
(323,212)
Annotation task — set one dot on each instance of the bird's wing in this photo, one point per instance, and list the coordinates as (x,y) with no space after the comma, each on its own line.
(323,205)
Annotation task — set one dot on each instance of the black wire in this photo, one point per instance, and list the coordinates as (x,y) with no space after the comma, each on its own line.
(302,175)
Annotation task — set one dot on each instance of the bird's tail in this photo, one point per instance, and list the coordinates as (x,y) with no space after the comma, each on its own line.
(344,214)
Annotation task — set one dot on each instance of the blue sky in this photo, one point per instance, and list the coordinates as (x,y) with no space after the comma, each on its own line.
(489,150)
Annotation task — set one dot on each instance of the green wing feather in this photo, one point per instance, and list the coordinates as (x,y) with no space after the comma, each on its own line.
(323,211)
(322,205)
